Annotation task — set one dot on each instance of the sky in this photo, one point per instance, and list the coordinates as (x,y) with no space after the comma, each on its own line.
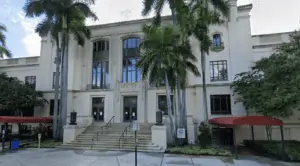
(267,16)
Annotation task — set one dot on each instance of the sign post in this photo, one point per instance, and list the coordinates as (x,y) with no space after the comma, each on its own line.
(135,127)
(39,137)
(3,139)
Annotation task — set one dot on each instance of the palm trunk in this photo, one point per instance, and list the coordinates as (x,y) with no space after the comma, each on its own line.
(64,88)
(59,130)
(184,107)
(203,67)
(179,103)
(56,94)
(169,105)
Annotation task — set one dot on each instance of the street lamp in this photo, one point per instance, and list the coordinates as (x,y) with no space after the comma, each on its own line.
(60,39)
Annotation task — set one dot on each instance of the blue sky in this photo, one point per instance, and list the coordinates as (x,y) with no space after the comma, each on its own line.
(267,16)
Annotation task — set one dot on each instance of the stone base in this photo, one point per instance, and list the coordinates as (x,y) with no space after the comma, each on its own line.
(71,132)
(159,136)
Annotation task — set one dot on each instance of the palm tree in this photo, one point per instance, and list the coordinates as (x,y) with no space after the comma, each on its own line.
(162,55)
(3,49)
(195,19)
(66,17)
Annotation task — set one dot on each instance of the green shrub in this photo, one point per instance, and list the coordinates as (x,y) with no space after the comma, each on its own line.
(204,138)
(274,149)
(196,150)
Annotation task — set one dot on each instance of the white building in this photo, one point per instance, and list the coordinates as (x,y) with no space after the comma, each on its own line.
(103,81)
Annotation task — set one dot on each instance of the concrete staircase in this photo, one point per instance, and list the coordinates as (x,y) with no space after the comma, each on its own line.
(108,138)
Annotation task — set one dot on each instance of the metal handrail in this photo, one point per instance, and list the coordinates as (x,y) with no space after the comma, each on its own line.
(107,125)
(123,134)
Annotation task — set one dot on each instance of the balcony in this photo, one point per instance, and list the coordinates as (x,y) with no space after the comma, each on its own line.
(94,87)
(217,48)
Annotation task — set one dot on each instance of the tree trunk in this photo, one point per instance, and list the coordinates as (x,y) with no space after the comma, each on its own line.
(169,105)
(59,128)
(179,103)
(184,107)
(203,67)
(56,95)
(64,88)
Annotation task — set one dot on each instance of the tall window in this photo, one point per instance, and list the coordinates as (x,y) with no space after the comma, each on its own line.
(162,104)
(130,58)
(218,70)
(220,104)
(30,81)
(217,40)
(100,65)
(52,106)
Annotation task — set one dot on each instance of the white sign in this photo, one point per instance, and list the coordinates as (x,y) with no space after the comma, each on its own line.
(135,126)
(100,113)
(180,133)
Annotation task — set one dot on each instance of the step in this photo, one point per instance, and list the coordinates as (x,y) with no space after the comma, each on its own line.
(111,141)
(112,149)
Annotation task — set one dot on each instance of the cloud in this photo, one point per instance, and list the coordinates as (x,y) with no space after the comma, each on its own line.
(31,40)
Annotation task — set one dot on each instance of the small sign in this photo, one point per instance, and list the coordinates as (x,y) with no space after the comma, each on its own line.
(133,114)
(180,133)
(100,113)
(135,126)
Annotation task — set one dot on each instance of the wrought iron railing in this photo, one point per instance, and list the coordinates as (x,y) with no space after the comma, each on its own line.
(124,135)
(107,125)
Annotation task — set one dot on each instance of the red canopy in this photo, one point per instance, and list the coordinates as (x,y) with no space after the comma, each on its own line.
(19,119)
(247,120)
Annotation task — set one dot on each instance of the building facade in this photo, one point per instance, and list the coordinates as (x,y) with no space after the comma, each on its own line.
(103,81)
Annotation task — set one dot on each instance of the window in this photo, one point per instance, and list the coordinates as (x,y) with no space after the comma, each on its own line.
(52,107)
(162,104)
(30,81)
(218,70)
(28,111)
(220,104)
(217,41)
(130,58)
(53,81)
(100,67)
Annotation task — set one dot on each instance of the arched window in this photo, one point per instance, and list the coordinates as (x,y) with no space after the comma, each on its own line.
(217,41)
(131,56)
(100,65)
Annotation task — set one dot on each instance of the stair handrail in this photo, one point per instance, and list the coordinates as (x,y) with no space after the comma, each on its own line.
(124,133)
(108,124)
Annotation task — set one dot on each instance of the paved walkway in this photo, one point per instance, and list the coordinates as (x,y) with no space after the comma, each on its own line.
(60,157)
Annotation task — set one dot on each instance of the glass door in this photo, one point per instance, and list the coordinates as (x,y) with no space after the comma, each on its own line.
(98,109)
(130,109)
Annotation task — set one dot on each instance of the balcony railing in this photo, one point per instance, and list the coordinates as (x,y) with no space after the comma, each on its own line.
(92,86)
(217,48)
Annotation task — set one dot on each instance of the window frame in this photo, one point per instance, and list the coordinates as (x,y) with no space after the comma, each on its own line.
(100,65)
(219,77)
(219,44)
(29,80)
(220,97)
(165,112)
(136,77)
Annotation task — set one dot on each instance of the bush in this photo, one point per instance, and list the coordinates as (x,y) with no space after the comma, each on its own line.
(274,149)
(204,138)
(196,150)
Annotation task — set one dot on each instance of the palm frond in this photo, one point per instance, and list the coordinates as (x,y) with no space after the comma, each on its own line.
(2,39)
(222,6)
(4,52)
(148,5)
(86,10)
(44,27)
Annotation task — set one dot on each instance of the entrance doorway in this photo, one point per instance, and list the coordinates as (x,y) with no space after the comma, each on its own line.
(98,109)
(130,108)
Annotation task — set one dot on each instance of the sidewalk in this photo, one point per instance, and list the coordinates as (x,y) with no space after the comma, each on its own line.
(61,157)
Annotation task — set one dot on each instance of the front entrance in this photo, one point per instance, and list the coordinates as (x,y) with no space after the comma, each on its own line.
(98,109)
(130,108)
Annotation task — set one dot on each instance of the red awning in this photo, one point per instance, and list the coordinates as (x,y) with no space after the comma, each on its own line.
(18,119)
(247,120)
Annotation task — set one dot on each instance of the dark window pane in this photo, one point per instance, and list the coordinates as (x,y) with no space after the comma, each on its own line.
(220,104)
(218,70)
(216,40)
(130,59)
(30,81)
(52,107)
(163,105)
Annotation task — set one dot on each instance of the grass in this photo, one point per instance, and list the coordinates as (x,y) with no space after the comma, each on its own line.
(45,144)
(274,149)
(197,150)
